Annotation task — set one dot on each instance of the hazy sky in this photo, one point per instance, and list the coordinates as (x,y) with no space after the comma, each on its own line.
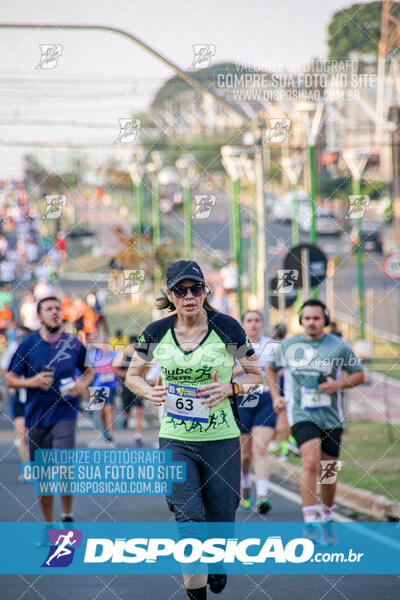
(255,31)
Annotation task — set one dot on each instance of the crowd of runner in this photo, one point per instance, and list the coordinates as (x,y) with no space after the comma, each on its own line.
(224,391)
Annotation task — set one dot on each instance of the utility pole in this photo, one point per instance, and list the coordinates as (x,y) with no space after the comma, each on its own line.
(356,166)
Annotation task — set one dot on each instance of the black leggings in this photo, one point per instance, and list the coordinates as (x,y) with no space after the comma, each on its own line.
(211,491)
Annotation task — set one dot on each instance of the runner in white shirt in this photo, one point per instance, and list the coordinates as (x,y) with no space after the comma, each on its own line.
(7,271)
(28,313)
(257,419)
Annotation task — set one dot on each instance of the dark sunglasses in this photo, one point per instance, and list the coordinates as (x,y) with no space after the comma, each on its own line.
(180,291)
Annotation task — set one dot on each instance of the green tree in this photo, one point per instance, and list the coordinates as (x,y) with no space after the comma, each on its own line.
(356,30)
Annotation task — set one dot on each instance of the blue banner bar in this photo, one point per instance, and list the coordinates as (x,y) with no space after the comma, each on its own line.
(242,548)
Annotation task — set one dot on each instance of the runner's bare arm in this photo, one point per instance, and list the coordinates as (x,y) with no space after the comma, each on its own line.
(348,380)
(253,377)
(237,370)
(117,364)
(138,385)
(42,380)
(272,383)
(83,382)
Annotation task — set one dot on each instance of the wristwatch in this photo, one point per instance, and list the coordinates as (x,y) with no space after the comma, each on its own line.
(235,389)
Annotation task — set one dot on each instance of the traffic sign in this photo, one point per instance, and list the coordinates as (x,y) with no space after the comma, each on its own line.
(289,298)
(391,265)
(317,262)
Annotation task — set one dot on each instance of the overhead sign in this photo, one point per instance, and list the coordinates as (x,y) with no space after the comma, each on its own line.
(276,289)
(317,263)
(391,265)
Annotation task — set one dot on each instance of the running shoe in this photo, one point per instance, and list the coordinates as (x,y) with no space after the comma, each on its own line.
(216,583)
(246,503)
(107,436)
(311,532)
(68,519)
(328,533)
(44,538)
(263,505)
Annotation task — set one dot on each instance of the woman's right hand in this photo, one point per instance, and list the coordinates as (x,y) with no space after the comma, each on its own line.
(158,393)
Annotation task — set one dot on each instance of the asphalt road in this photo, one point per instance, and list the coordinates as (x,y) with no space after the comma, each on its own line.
(18,503)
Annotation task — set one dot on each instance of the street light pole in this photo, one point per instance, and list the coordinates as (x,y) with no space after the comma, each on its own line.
(237,238)
(313,230)
(232,161)
(356,166)
(153,172)
(360,267)
(262,297)
(136,171)
(312,126)
(248,166)
(187,217)
(187,173)
(139,207)
(158,160)
(293,167)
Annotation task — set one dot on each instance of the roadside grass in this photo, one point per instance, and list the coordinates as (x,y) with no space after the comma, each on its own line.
(386,359)
(387,368)
(370,461)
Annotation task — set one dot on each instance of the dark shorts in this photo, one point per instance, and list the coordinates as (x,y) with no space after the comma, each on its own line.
(257,411)
(60,435)
(211,491)
(111,396)
(17,408)
(330,438)
(129,399)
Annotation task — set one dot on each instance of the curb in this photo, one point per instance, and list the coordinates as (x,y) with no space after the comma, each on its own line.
(380,508)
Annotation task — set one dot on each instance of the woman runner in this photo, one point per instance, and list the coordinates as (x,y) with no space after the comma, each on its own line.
(196,348)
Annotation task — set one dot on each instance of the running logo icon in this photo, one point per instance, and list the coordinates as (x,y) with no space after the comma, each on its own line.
(329,470)
(62,547)
(133,279)
(54,206)
(357,206)
(50,54)
(97,397)
(128,129)
(278,129)
(203,53)
(62,347)
(286,279)
(202,205)
(250,398)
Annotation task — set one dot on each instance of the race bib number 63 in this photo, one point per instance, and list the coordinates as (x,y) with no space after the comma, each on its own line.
(183,404)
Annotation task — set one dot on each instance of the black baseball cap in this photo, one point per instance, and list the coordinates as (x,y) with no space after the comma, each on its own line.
(183,269)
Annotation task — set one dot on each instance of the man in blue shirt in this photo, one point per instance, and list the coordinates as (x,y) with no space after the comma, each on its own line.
(45,364)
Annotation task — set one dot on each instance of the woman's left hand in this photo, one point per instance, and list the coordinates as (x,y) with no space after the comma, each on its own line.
(216,391)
